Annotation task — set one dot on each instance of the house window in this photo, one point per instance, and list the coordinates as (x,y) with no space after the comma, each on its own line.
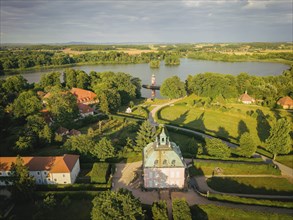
(38,173)
(165,162)
(63,175)
(65,182)
(156,162)
(40,181)
(150,174)
(55,180)
(8,173)
(173,162)
(0,173)
(45,173)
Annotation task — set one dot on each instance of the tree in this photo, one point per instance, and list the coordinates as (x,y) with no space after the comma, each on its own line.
(25,104)
(155,64)
(247,145)
(22,183)
(63,107)
(81,143)
(159,210)
(24,143)
(145,135)
(13,86)
(216,148)
(172,60)
(116,205)
(103,149)
(180,210)
(110,100)
(49,80)
(279,141)
(173,88)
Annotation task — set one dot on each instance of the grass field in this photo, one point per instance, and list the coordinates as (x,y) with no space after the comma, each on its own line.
(230,168)
(230,122)
(250,201)
(252,185)
(286,160)
(213,212)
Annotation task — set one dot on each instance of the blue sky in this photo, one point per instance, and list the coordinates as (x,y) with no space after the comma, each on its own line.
(58,21)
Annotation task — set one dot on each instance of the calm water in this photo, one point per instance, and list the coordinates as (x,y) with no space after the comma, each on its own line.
(186,67)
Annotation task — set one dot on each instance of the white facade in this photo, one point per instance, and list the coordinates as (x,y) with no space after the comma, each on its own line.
(55,175)
(163,164)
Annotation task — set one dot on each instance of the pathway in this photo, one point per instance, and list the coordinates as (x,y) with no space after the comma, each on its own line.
(125,173)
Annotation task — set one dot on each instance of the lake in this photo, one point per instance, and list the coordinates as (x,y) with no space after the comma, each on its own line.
(186,67)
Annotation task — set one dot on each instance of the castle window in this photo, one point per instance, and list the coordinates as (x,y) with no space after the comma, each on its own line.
(173,162)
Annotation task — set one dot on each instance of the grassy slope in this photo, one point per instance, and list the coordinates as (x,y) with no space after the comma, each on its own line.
(227,168)
(216,122)
(252,185)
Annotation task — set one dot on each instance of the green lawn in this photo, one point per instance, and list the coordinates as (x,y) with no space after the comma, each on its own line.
(250,201)
(99,173)
(286,160)
(207,168)
(252,185)
(214,212)
(227,123)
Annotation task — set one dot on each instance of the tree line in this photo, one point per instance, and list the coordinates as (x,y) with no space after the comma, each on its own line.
(267,89)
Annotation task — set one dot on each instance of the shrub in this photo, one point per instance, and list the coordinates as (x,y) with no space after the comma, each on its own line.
(99,173)
(159,210)
(180,210)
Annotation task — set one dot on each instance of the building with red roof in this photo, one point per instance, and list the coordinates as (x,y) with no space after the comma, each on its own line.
(85,110)
(84,96)
(46,170)
(286,102)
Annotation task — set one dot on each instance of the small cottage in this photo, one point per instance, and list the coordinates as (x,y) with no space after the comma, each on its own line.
(286,102)
(246,99)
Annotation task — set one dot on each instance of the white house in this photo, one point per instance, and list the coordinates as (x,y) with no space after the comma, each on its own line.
(46,170)
(163,164)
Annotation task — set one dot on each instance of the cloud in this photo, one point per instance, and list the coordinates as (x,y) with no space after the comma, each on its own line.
(263,4)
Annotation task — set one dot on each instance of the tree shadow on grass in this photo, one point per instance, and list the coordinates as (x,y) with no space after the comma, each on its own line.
(263,127)
(198,213)
(222,132)
(242,128)
(229,185)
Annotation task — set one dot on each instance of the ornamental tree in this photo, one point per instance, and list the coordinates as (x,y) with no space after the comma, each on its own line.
(116,205)
(279,141)
(216,148)
(247,146)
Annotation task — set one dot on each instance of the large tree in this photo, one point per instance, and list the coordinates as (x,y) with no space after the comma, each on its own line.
(159,210)
(173,88)
(25,104)
(279,141)
(49,80)
(103,149)
(109,100)
(216,148)
(116,205)
(247,146)
(145,135)
(22,183)
(63,107)
(81,143)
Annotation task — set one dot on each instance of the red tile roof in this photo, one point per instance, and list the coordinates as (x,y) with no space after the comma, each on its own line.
(59,164)
(84,96)
(246,98)
(285,101)
(84,108)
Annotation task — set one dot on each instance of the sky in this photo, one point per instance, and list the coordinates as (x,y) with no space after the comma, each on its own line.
(169,21)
